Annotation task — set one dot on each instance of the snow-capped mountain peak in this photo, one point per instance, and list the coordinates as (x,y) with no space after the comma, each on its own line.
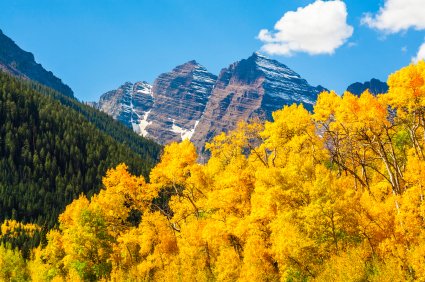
(190,102)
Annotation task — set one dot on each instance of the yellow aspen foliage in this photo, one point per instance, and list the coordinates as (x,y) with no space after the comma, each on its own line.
(83,247)
(416,258)
(86,241)
(407,89)
(293,252)
(292,131)
(148,247)
(329,219)
(411,216)
(334,195)
(12,265)
(49,261)
(228,265)
(230,177)
(13,228)
(258,263)
(175,164)
(39,270)
(350,266)
(123,194)
(169,178)
(326,105)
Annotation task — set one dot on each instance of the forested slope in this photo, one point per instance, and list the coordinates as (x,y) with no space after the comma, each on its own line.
(146,148)
(53,148)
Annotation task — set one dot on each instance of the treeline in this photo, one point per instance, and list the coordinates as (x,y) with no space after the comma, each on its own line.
(334,195)
(147,149)
(52,150)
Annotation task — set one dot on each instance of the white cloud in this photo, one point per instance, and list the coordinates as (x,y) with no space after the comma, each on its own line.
(319,28)
(397,15)
(421,54)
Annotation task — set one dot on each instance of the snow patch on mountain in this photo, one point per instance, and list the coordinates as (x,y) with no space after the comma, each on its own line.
(282,82)
(184,133)
(144,88)
(140,127)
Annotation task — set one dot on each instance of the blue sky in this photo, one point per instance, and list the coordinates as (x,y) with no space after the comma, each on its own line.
(95,46)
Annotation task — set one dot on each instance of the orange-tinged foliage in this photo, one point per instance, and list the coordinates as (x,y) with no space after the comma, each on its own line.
(337,195)
(407,89)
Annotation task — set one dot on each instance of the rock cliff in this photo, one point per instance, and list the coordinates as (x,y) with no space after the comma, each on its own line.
(251,88)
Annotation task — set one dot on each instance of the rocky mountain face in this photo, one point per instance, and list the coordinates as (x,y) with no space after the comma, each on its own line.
(128,104)
(375,87)
(252,88)
(167,111)
(17,62)
(189,102)
(180,97)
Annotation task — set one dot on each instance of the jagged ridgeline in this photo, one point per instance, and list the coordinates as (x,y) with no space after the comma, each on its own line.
(53,148)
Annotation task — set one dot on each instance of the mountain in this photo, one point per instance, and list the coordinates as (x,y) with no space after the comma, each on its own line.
(252,88)
(189,102)
(16,62)
(128,104)
(180,100)
(53,150)
(20,63)
(167,111)
(145,148)
(375,86)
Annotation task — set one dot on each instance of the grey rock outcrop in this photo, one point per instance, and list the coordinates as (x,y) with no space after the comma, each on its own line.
(180,99)
(130,104)
(173,108)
